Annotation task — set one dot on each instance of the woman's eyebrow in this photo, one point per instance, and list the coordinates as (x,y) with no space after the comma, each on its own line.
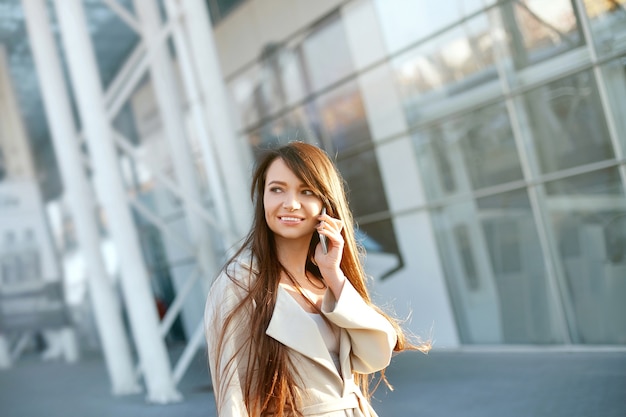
(278,182)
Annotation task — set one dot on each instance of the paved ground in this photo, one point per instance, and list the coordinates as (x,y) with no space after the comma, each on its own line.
(530,383)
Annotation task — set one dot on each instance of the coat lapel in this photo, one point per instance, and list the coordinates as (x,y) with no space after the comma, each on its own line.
(293,327)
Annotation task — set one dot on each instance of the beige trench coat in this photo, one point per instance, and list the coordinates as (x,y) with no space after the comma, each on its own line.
(366,344)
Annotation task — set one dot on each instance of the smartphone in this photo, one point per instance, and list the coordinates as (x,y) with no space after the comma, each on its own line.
(323,238)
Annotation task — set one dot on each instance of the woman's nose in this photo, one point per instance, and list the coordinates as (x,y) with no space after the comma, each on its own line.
(291,203)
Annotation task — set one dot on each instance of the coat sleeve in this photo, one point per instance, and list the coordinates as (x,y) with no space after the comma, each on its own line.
(372,335)
(226,366)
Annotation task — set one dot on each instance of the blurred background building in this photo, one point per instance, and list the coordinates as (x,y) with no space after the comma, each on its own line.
(483,143)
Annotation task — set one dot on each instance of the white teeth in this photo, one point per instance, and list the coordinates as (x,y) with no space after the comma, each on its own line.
(290,219)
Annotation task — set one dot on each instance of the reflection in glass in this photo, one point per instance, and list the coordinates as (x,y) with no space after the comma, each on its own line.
(607,19)
(460,269)
(538,29)
(267,87)
(219,9)
(527,312)
(405,22)
(614,75)
(494,269)
(243,91)
(294,125)
(567,123)
(462,237)
(452,63)
(383,255)
(365,187)
(342,117)
(588,214)
(470,152)
(269,94)
(326,54)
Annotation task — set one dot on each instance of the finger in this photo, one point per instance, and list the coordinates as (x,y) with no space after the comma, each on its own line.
(332,224)
(332,235)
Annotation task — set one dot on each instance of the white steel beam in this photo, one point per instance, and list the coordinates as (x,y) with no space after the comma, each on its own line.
(171,186)
(195,342)
(99,134)
(126,78)
(234,158)
(110,326)
(177,305)
(123,14)
(193,97)
(169,103)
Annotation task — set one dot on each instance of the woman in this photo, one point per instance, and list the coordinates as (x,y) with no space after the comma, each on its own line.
(291,330)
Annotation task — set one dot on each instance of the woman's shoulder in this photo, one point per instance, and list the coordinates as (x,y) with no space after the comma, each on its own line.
(239,271)
(232,285)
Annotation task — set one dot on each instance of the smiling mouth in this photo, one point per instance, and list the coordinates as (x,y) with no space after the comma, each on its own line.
(290,219)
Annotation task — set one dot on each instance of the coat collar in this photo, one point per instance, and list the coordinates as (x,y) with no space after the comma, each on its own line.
(293,327)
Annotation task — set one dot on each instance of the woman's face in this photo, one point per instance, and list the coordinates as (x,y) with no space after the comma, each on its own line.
(291,208)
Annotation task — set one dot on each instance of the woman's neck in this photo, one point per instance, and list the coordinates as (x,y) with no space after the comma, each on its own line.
(293,255)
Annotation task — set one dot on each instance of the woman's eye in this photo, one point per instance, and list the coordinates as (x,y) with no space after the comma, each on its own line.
(276,190)
(307,192)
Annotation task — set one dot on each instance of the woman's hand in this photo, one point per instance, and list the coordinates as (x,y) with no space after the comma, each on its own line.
(329,263)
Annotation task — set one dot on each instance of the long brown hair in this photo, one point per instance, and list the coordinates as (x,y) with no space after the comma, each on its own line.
(270,382)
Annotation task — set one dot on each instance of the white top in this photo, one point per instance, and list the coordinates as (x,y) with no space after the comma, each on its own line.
(330,334)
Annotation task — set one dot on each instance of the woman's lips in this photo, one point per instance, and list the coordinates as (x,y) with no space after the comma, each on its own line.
(290,219)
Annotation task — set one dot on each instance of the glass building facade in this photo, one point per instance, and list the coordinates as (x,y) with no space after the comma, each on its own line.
(515,116)
(483,144)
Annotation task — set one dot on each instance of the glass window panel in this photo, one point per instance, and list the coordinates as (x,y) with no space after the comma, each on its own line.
(295,125)
(469,152)
(326,54)
(607,19)
(604,182)
(383,256)
(365,187)
(450,64)
(269,86)
(614,74)
(528,314)
(461,283)
(280,80)
(538,30)
(268,95)
(342,117)
(244,92)
(466,254)
(567,123)
(292,77)
(495,270)
(588,215)
(405,22)
(219,9)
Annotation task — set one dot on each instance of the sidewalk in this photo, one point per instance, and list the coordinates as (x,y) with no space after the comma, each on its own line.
(531,383)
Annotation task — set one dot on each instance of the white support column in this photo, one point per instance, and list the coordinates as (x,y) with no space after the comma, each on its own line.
(193,97)
(140,302)
(233,157)
(171,113)
(115,346)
